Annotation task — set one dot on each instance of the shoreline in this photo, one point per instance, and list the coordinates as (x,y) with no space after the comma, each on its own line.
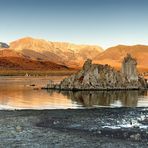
(101,127)
(101,89)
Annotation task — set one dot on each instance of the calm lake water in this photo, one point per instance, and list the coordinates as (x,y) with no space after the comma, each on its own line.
(16,93)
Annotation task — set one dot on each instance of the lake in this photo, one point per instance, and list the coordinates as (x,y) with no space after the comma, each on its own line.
(17,93)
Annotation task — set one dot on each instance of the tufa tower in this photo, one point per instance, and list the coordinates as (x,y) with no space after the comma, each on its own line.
(129,68)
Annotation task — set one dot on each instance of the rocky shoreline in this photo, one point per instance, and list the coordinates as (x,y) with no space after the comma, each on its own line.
(103,128)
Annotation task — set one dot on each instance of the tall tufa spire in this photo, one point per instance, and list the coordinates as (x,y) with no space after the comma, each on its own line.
(129,68)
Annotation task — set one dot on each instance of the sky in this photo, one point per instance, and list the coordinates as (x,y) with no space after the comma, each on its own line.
(96,22)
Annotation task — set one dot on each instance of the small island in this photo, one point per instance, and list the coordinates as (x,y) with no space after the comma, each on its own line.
(103,77)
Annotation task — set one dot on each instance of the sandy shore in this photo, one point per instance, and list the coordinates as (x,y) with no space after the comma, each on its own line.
(103,128)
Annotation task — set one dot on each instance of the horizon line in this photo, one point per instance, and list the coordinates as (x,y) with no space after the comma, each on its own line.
(78,43)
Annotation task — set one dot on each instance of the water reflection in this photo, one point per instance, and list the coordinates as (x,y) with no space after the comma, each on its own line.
(106,98)
(17,93)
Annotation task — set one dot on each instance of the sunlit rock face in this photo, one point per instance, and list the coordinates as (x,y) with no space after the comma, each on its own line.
(3,45)
(129,70)
(98,77)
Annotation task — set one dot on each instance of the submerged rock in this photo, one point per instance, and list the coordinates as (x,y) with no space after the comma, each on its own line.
(102,77)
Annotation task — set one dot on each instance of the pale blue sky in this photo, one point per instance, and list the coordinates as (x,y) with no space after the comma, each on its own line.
(100,22)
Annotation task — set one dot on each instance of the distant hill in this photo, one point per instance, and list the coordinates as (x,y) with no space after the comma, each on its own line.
(68,54)
(114,56)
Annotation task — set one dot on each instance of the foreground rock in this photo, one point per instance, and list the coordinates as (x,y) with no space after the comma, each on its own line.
(103,77)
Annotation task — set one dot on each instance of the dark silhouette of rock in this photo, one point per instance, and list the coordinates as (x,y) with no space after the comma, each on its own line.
(4,45)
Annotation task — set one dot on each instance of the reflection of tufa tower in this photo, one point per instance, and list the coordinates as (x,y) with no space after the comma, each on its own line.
(129,68)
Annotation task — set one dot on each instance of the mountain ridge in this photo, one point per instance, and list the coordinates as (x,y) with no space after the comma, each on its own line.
(73,55)
(64,53)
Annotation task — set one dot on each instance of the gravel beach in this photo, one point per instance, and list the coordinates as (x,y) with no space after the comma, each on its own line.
(103,128)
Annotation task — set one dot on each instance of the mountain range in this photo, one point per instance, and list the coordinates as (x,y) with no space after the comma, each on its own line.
(37,54)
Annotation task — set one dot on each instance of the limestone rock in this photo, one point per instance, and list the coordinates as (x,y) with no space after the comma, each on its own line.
(103,77)
(50,84)
(129,68)
(87,64)
(143,82)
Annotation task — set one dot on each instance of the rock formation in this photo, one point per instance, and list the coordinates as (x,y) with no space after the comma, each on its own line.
(102,77)
(129,69)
